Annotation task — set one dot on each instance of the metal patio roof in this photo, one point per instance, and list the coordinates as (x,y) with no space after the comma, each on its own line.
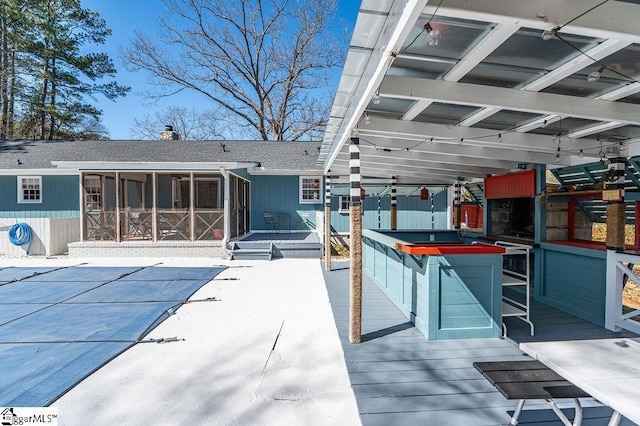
(483,91)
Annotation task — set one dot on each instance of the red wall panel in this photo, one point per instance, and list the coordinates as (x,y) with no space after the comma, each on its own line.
(513,185)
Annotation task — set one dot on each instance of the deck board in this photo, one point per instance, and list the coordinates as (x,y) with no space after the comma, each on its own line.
(400,378)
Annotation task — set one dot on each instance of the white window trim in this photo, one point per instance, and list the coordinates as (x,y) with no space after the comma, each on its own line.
(300,188)
(342,200)
(21,200)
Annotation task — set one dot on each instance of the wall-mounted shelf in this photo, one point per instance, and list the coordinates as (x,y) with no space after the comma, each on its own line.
(516,305)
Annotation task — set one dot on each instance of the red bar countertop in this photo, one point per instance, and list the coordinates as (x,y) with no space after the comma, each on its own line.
(449,248)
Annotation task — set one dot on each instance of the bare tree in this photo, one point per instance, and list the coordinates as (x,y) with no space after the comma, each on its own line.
(189,124)
(265,63)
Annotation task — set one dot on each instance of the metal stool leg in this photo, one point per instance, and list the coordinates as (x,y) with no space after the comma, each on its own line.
(516,414)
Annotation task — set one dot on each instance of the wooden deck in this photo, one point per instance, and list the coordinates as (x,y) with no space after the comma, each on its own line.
(400,378)
(304,244)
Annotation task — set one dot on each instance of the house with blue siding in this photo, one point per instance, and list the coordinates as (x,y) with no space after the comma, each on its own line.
(173,197)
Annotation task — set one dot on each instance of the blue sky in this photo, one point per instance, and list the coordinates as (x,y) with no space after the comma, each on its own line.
(126,16)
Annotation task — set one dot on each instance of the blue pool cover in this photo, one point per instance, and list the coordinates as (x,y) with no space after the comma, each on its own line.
(57,326)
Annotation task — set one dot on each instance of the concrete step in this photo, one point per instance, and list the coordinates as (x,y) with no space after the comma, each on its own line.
(252,252)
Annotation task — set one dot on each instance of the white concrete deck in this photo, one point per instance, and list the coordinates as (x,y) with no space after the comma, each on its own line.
(267,353)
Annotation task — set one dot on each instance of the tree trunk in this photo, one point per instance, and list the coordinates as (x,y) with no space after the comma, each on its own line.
(11,130)
(4,70)
(52,104)
(43,99)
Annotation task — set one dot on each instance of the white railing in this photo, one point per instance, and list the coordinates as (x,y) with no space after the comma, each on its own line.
(617,269)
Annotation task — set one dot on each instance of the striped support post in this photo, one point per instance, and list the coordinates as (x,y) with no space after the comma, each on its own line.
(394,203)
(355,252)
(615,205)
(457,205)
(433,215)
(327,223)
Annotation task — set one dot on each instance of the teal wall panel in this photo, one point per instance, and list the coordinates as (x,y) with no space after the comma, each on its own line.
(413,213)
(573,280)
(279,195)
(60,198)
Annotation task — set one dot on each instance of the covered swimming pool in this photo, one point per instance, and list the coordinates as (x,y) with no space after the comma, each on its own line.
(58,325)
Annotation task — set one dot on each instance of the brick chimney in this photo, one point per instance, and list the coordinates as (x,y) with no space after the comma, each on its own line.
(168,134)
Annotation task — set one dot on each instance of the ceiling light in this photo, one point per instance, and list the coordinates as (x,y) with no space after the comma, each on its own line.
(581,154)
(557,157)
(595,76)
(367,119)
(499,137)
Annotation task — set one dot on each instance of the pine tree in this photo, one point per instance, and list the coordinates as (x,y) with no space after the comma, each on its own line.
(46,70)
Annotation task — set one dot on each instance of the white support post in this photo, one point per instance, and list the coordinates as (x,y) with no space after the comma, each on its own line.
(613,292)
(226,207)
(83,208)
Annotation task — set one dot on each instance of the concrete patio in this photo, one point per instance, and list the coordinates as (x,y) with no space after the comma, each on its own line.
(267,352)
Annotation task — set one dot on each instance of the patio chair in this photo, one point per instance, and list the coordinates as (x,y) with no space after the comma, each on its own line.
(270,223)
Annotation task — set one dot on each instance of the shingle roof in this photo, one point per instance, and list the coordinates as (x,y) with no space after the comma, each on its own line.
(38,154)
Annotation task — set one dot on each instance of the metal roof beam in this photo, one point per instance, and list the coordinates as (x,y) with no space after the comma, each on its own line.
(460,167)
(615,19)
(510,99)
(432,154)
(383,170)
(458,140)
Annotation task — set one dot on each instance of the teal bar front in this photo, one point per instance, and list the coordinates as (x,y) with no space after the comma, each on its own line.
(453,296)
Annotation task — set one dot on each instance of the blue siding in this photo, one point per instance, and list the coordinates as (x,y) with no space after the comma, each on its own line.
(279,195)
(446,297)
(572,280)
(413,213)
(60,198)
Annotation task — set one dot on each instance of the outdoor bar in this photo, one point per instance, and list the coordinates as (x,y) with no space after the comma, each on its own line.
(449,288)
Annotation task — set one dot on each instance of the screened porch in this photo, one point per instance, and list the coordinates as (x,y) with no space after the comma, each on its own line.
(164,206)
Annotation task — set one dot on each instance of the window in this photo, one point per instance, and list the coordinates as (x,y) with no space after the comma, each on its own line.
(310,190)
(344,205)
(92,193)
(29,189)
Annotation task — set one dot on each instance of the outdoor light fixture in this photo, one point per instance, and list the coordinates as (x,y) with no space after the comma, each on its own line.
(549,33)
(376,97)
(367,119)
(499,137)
(433,35)
(581,154)
(595,76)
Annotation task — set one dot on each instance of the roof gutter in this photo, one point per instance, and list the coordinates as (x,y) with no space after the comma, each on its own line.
(402,15)
(151,166)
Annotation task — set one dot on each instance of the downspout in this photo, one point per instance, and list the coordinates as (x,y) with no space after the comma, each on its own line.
(226,209)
